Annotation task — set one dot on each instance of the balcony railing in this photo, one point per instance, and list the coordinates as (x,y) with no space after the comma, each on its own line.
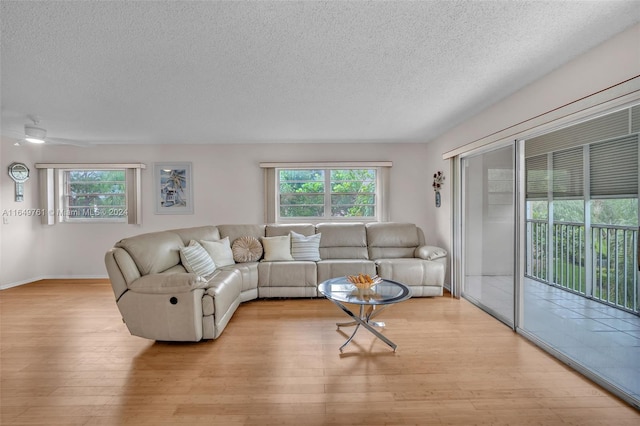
(599,263)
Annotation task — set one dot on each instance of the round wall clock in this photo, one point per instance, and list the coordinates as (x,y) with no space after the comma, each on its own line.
(19,172)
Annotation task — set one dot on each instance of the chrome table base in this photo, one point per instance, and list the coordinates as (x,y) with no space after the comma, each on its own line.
(364,320)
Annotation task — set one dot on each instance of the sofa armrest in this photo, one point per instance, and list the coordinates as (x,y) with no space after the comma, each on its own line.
(429,252)
(168,283)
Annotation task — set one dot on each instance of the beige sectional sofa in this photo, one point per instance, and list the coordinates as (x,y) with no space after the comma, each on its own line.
(160,300)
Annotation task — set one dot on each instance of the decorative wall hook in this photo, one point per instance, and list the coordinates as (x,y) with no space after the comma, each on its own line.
(438,179)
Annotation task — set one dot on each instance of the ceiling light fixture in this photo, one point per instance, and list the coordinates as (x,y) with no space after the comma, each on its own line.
(34,134)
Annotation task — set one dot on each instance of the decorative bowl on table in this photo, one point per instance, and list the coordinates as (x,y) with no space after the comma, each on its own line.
(364,281)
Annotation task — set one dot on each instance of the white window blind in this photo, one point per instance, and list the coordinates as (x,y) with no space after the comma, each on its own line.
(612,144)
(614,167)
(635,119)
(568,175)
(537,176)
(598,129)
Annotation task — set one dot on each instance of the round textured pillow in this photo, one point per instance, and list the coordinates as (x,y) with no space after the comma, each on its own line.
(246,249)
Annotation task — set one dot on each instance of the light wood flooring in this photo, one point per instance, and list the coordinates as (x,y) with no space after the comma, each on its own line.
(67,359)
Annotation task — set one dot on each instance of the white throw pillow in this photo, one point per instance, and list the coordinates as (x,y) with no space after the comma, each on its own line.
(305,248)
(220,251)
(195,259)
(277,248)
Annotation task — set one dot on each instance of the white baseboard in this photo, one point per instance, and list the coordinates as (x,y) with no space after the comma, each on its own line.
(51,277)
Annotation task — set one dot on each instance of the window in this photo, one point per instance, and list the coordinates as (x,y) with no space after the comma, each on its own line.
(76,193)
(569,211)
(326,192)
(537,210)
(94,195)
(616,211)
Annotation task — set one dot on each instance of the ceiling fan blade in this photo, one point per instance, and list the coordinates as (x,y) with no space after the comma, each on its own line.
(60,141)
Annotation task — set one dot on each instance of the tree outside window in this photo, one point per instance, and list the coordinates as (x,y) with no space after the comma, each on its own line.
(327,193)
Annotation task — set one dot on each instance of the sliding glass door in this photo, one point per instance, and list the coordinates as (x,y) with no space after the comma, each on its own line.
(488,231)
(546,239)
(581,292)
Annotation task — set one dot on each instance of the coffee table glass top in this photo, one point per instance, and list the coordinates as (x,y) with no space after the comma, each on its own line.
(384,293)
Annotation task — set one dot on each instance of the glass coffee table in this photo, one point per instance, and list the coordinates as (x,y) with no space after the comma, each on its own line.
(371,301)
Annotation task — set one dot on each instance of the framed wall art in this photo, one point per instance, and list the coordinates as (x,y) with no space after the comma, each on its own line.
(173,187)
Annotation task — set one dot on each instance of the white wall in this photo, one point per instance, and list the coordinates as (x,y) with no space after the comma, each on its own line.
(611,63)
(228,188)
(20,241)
(228,181)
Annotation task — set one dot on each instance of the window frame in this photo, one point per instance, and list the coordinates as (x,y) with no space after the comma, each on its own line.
(52,192)
(272,192)
(66,215)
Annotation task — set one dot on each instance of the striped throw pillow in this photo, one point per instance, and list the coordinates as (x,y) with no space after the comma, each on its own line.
(305,248)
(196,259)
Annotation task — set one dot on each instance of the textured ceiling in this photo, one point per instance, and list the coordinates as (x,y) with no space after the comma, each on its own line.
(283,71)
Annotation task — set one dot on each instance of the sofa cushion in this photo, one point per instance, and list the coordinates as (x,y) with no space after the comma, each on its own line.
(343,241)
(248,272)
(305,248)
(287,274)
(333,268)
(412,272)
(165,254)
(392,240)
(246,249)
(196,259)
(236,231)
(279,229)
(225,288)
(197,233)
(220,251)
(277,248)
